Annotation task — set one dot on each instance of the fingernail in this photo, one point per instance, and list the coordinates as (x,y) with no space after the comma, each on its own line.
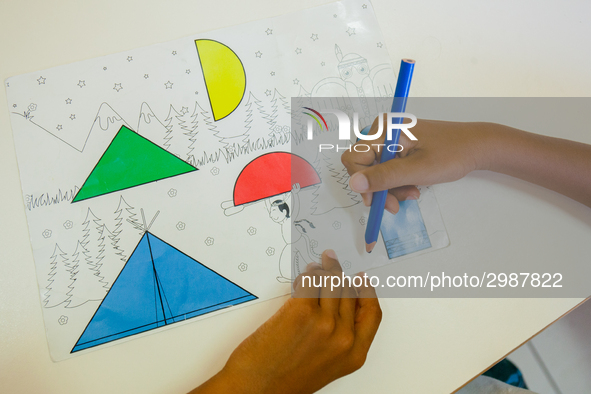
(389,210)
(359,183)
(364,197)
(331,253)
(412,197)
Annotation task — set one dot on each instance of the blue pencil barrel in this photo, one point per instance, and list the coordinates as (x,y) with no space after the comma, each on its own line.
(378,202)
(407,66)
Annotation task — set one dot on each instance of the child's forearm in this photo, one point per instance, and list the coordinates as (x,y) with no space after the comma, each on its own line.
(560,165)
(447,151)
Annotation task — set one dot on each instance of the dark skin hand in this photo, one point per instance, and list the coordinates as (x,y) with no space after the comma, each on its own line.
(447,151)
(316,337)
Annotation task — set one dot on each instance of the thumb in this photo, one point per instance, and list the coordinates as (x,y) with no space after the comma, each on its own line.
(409,170)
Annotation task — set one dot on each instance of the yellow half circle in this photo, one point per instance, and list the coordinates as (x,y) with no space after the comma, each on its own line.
(224,76)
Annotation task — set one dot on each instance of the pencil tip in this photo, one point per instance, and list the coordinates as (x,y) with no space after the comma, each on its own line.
(369,247)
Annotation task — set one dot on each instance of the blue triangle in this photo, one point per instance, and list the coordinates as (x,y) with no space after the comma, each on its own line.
(158,285)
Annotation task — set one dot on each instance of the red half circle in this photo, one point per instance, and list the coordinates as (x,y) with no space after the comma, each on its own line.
(272,174)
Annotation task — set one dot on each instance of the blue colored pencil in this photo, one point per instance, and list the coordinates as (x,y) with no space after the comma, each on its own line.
(378,201)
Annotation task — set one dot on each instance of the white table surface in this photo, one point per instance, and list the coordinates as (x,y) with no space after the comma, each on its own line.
(465,48)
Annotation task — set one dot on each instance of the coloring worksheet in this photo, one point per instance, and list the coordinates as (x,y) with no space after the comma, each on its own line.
(160,183)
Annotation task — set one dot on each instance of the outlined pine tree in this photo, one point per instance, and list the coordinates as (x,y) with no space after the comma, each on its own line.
(239,144)
(178,138)
(59,280)
(125,218)
(93,250)
(116,234)
(207,147)
(111,264)
(300,126)
(331,193)
(234,146)
(343,178)
(167,123)
(188,129)
(196,118)
(303,92)
(85,286)
(280,109)
(318,201)
(257,124)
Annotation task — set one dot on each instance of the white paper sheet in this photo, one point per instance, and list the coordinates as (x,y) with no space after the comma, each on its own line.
(103,263)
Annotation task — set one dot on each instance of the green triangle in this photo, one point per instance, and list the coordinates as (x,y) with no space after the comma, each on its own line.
(130,160)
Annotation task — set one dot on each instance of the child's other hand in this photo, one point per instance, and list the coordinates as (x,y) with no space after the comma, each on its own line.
(443,152)
(317,336)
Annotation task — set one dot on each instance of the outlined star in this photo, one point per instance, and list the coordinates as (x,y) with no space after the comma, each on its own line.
(314,37)
(188,71)
(258,54)
(296,81)
(364,6)
(68,101)
(380,45)
(104,68)
(335,15)
(13,105)
(81,83)
(168,85)
(118,87)
(298,51)
(322,64)
(146,76)
(196,92)
(268,92)
(41,80)
(351,31)
(173,53)
(73,116)
(272,73)
(269,31)
(184,110)
(59,127)
(129,58)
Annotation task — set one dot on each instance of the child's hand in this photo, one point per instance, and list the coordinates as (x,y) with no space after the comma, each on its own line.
(443,152)
(318,336)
